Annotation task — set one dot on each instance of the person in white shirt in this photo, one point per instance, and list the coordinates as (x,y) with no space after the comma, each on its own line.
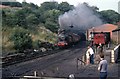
(87,58)
(103,67)
(91,54)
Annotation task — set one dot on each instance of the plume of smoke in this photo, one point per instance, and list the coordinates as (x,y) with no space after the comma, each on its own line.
(81,17)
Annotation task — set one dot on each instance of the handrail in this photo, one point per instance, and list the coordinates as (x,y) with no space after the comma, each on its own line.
(81,60)
(34,77)
(116,47)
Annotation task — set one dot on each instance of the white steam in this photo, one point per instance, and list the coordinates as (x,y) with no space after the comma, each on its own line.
(81,17)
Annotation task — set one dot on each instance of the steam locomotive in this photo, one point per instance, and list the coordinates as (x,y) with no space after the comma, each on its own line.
(67,38)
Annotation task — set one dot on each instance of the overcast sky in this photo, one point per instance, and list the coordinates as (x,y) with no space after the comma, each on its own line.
(101,4)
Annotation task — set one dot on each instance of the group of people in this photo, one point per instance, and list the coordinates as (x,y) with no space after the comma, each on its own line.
(102,67)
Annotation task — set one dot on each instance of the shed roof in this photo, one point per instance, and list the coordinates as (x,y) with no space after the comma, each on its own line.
(105,28)
(118,29)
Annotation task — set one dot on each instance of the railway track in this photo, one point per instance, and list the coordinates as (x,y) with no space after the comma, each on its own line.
(26,68)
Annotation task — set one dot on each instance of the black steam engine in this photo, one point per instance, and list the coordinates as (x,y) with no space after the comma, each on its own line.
(67,37)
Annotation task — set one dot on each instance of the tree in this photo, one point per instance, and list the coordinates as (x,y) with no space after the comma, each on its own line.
(110,16)
(25,4)
(33,6)
(20,17)
(49,5)
(31,20)
(29,5)
(51,17)
(3,17)
(52,14)
(8,18)
(64,7)
(3,13)
(51,25)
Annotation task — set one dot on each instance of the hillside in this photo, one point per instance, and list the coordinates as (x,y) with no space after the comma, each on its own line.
(40,33)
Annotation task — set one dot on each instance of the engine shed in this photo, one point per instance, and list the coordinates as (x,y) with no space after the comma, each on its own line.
(105,28)
(116,36)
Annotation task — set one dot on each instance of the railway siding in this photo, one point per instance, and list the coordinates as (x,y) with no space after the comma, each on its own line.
(64,65)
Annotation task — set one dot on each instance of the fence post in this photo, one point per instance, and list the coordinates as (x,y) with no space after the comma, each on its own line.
(112,56)
(35,73)
(77,64)
(83,59)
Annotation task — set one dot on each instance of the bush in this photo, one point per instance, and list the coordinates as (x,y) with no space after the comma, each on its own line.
(37,44)
(22,39)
